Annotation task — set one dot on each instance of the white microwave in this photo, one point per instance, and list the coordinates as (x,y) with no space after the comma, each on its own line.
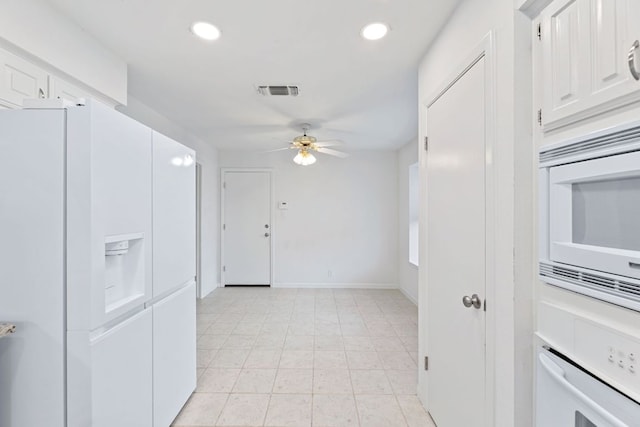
(589,215)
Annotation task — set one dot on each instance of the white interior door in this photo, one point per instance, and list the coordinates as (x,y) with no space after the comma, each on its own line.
(247,228)
(456,252)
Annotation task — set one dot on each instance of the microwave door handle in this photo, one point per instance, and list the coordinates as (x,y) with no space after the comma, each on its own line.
(557,373)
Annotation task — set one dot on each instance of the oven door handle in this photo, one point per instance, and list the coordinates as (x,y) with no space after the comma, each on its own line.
(558,374)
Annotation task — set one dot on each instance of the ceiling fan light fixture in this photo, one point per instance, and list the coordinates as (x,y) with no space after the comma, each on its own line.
(374,31)
(304,158)
(205,30)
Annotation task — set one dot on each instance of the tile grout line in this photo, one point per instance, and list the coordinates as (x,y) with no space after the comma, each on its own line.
(222,410)
(382,315)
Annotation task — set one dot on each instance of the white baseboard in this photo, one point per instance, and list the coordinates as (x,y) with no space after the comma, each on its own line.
(336,285)
(409,296)
(206,290)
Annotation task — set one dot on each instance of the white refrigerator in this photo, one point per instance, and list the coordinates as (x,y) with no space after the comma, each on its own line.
(97,254)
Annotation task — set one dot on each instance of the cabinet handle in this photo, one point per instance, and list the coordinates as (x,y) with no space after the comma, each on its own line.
(40,93)
(632,60)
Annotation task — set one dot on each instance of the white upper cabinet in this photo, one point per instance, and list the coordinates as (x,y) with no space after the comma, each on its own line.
(174,214)
(562,58)
(587,55)
(21,80)
(60,89)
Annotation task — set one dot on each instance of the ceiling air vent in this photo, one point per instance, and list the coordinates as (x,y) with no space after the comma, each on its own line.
(278,90)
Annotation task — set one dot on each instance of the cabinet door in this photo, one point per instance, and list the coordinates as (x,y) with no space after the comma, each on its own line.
(174,214)
(60,89)
(585,58)
(631,46)
(174,354)
(20,79)
(611,39)
(565,57)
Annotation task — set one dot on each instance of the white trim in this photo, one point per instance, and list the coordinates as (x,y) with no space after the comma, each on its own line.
(532,8)
(337,285)
(485,49)
(590,113)
(206,291)
(409,296)
(223,171)
(199,293)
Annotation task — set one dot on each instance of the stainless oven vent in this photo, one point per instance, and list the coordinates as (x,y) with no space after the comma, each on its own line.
(620,142)
(590,280)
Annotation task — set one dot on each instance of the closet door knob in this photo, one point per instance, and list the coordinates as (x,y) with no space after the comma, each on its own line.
(473,300)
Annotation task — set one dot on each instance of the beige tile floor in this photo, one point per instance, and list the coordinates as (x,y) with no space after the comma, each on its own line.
(306,357)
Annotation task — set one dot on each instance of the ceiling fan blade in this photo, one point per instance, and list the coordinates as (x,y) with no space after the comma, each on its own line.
(332,152)
(329,143)
(278,149)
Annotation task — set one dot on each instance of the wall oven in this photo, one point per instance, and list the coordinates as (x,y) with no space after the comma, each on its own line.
(589,203)
(568,395)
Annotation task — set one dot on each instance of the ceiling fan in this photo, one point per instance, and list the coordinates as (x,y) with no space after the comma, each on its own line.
(306,144)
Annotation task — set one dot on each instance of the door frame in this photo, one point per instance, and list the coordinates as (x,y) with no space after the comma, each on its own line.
(223,172)
(485,49)
(198,230)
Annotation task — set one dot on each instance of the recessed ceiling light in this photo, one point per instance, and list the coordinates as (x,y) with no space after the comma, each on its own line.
(375,31)
(205,30)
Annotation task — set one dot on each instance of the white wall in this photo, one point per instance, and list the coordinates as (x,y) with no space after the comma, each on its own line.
(207,156)
(468,25)
(407,272)
(51,39)
(342,218)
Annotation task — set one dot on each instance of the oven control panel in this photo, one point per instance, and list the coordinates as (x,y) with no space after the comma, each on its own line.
(612,353)
(609,353)
(623,359)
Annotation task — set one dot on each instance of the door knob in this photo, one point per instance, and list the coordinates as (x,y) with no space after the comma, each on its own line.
(266,234)
(473,300)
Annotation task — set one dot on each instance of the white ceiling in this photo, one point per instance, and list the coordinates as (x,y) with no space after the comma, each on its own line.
(361,92)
